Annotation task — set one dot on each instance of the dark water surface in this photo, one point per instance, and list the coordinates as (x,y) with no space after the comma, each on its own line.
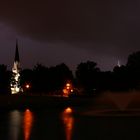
(63,125)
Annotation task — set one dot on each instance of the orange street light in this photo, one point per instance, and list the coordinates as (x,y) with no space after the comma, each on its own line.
(27,86)
(68,85)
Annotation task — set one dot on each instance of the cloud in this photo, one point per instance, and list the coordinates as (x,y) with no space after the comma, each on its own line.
(104,28)
(76,20)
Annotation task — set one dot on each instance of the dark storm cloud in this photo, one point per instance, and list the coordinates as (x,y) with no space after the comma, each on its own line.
(106,30)
(99,20)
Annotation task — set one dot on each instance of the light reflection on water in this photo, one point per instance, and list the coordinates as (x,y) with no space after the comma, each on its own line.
(62,125)
(28,122)
(21,124)
(68,121)
(15,124)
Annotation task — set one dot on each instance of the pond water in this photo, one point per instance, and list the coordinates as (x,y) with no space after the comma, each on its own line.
(64,125)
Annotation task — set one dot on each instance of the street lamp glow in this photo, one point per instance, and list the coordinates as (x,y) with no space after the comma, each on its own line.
(68,89)
(68,110)
(68,85)
(27,86)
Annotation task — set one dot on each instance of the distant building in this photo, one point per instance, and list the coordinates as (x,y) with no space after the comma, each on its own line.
(118,64)
(15,79)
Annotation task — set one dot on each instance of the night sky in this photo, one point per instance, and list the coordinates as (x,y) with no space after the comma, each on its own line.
(55,31)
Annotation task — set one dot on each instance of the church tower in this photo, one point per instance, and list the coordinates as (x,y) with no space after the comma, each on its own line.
(15,79)
(118,64)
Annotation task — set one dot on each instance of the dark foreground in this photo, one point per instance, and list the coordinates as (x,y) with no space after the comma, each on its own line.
(41,102)
(62,125)
(105,102)
(81,118)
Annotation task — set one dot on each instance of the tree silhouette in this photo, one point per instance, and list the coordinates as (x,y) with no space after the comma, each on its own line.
(133,61)
(59,75)
(40,78)
(133,66)
(26,78)
(4,79)
(45,80)
(87,75)
(120,78)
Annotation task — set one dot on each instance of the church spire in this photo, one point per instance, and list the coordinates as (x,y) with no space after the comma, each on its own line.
(16,52)
(15,80)
(118,64)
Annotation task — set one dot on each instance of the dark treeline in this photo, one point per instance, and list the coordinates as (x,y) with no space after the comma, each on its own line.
(86,79)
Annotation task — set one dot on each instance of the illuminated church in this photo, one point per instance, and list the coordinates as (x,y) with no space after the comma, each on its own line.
(15,79)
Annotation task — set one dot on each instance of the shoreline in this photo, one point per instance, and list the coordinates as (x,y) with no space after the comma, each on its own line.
(117,102)
(41,101)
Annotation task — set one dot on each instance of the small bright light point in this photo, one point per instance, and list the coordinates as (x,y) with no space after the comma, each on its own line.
(68,110)
(71,90)
(27,110)
(68,85)
(27,86)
